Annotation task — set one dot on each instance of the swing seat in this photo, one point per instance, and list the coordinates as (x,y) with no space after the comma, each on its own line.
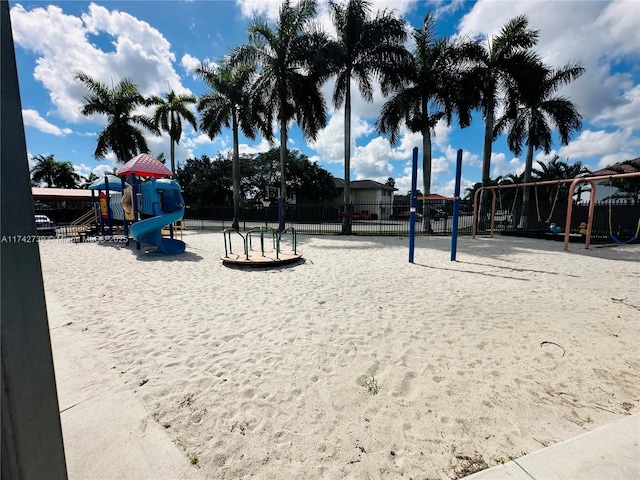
(620,242)
(617,240)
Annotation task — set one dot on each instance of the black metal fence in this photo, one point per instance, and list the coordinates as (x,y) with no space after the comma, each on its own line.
(368,219)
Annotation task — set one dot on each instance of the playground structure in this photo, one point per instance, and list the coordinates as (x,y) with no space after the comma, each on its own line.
(106,209)
(268,254)
(162,199)
(581,230)
(144,208)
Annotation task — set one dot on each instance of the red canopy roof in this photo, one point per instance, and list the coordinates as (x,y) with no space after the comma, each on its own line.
(145,165)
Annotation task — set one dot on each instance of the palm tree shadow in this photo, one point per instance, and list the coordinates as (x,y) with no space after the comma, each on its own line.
(513,269)
(486,274)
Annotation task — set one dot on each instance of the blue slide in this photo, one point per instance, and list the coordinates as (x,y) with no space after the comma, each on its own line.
(168,208)
(150,231)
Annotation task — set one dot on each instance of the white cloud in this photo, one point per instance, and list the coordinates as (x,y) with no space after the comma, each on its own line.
(448,188)
(102,169)
(371,161)
(33,119)
(140,52)
(620,20)
(500,166)
(330,140)
(625,114)
(200,139)
(600,143)
(271,8)
(599,34)
(189,62)
(443,8)
(254,8)
(261,147)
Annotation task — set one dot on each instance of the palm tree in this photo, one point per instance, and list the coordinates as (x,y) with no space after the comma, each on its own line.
(88,180)
(505,57)
(122,134)
(169,114)
(532,107)
(508,198)
(66,176)
(286,55)
(434,89)
(44,171)
(53,173)
(557,169)
(365,48)
(231,104)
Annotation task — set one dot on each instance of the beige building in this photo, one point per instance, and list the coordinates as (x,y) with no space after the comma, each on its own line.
(368,197)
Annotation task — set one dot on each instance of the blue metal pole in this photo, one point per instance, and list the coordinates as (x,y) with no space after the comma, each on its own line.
(109,219)
(456,206)
(414,201)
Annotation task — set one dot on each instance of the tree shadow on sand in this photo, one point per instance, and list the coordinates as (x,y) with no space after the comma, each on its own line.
(148,253)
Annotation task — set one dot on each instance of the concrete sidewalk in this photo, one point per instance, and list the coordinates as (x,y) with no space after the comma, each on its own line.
(107,432)
(611,452)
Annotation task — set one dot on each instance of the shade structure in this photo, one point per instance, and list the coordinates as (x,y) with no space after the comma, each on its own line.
(115,184)
(144,165)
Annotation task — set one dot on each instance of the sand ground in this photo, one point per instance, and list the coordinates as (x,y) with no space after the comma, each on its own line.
(355,363)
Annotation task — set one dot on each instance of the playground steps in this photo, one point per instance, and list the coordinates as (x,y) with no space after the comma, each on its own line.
(82,225)
(178,227)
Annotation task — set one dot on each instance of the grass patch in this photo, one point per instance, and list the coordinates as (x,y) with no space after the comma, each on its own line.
(468,465)
(372,385)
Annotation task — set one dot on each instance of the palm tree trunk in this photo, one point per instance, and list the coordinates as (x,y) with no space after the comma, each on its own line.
(346,218)
(426,178)
(528,165)
(486,166)
(235,174)
(283,173)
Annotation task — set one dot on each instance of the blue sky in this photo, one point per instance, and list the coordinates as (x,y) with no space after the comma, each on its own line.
(158,43)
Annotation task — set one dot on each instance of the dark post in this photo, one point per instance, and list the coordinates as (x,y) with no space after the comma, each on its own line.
(456,206)
(414,201)
(32,446)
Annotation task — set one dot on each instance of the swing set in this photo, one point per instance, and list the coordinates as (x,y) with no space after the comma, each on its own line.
(573,183)
(613,235)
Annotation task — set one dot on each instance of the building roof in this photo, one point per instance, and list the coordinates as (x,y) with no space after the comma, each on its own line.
(364,184)
(434,196)
(145,165)
(628,166)
(60,194)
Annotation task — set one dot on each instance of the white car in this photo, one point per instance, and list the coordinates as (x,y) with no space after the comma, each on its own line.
(45,226)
